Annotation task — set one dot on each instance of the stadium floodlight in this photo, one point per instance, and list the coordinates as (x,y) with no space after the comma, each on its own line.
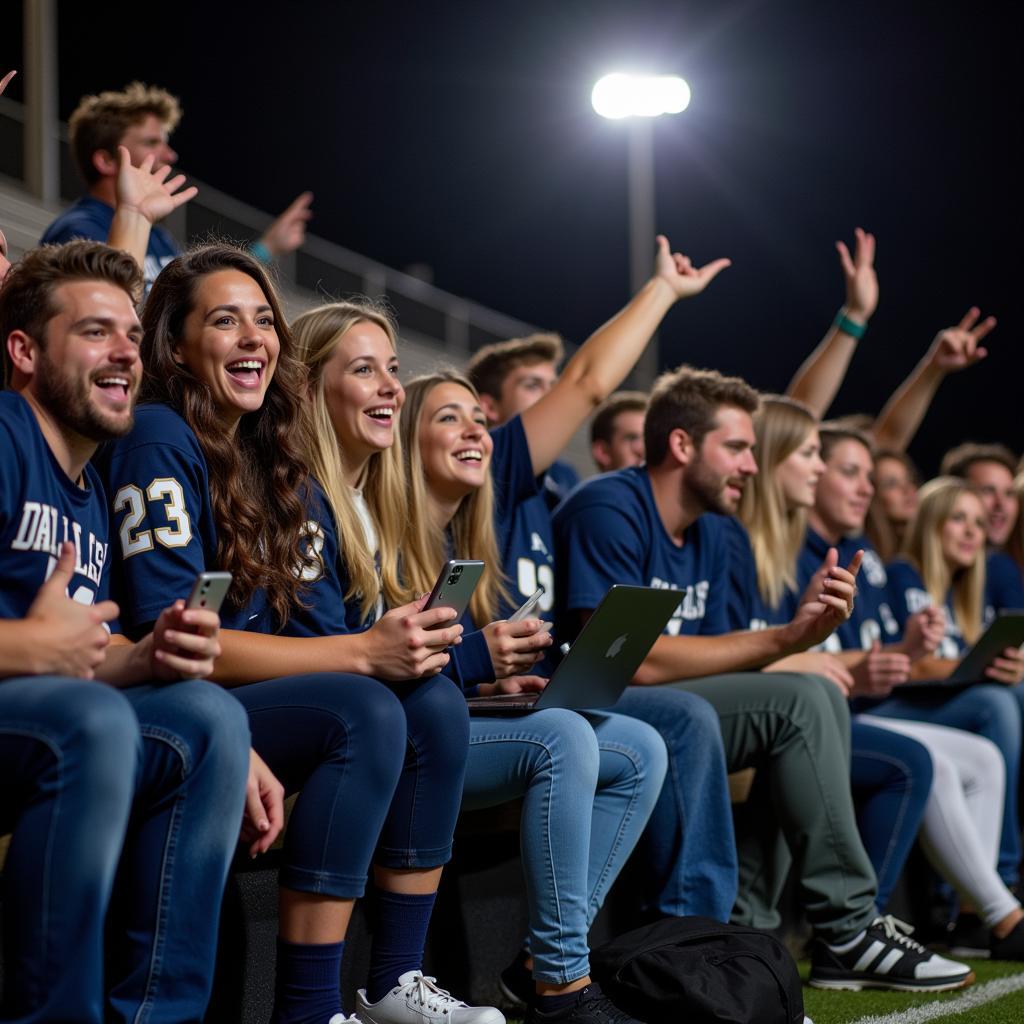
(638,100)
(618,95)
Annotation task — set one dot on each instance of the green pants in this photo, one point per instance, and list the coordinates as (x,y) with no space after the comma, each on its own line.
(795,730)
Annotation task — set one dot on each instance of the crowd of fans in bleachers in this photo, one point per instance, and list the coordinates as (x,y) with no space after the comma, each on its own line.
(161,419)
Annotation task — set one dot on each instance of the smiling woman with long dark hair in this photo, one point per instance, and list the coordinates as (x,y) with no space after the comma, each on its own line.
(214,476)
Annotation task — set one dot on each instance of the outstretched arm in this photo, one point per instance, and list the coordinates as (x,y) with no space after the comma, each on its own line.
(819,377)
(288,231)
(602,362)
(953,349)
(144,196)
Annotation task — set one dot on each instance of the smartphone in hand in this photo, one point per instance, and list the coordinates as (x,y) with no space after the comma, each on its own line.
(455,586)
(209,591)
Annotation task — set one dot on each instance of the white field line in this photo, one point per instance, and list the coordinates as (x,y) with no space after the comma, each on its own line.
(970,1000)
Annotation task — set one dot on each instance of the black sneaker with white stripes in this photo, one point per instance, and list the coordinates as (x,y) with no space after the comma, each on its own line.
(886,957)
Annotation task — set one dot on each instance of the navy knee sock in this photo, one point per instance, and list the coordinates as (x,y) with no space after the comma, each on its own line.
(308,988)
(399,935)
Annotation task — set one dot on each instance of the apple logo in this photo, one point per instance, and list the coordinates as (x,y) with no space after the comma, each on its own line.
(616,646)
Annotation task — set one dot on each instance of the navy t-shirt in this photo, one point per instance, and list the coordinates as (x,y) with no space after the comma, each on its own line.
(907,596)
(522,521)
(1004,585)
(91,218)
(746,608)
(165,533)
(872,618)
(609,531)
(557,482)
(40,508)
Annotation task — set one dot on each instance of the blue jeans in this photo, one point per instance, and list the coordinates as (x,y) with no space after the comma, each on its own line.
(689,849)
(891,777)
(990,710)
(588,785)
(379,767)
(154,776)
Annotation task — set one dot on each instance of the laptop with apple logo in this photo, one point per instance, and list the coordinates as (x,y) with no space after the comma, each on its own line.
(604,658)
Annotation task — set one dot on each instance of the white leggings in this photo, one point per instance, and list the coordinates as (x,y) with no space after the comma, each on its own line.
(963,816)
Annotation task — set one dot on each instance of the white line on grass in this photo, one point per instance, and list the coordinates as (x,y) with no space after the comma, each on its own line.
(971,1000)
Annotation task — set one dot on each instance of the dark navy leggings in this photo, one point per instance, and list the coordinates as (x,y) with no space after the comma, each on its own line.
(379,766)
(891,778)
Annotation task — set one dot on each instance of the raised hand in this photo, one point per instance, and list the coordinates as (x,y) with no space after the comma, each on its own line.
(680,274)
(959,347)
(514,684)
(828,600)
(184,643)
(861,279)
(288,231)
(149,193)
(879,672)
(1007,668)
(263,817)
(408,643)
(515,647)
(924,632)
(71,638)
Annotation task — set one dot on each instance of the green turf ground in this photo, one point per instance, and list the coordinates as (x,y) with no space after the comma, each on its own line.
(847,1007)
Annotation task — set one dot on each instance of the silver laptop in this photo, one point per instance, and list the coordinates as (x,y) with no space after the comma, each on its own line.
(600,664)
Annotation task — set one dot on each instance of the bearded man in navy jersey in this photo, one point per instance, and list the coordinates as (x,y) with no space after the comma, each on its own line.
(656,525)
(106,768)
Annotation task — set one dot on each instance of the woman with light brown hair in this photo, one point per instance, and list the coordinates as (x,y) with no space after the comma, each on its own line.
(588,783)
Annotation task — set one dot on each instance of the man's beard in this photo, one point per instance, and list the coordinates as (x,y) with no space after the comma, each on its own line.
(709,489)
(69,401)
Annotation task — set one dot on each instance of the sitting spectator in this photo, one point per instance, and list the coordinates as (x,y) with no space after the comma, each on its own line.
(510,376)
(649,526)
(990,469)
(943,566)
(894,503)
(94,773)
(617,431)
(141,118)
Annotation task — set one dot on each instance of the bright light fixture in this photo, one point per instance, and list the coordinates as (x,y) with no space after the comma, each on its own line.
(616,96)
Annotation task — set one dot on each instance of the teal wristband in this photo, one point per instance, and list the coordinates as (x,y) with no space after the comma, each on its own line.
(261,252)
(843,323)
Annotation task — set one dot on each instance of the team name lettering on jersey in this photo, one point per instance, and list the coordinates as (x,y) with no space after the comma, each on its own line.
(44,528)
(691,608)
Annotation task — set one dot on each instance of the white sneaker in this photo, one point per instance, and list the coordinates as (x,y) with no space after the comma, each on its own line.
(417,999)
(340,1018)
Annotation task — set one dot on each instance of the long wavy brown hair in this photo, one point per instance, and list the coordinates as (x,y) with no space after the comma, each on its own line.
(258,476)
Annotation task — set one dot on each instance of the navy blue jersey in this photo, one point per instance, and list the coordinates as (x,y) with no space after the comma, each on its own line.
(872,618)
(609,531)
(746,608)
(1004,585)
(40,508)
(522,521)
(907,596)
(557,482)
(158,483)
(91,218)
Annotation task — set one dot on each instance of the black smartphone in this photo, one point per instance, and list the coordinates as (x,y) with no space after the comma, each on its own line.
(455,586)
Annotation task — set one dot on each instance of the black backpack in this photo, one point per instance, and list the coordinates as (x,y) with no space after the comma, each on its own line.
(700,971)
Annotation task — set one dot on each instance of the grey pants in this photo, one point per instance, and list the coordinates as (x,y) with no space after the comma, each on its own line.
(795,730)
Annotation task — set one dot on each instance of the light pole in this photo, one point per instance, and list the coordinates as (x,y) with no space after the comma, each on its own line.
(640,99)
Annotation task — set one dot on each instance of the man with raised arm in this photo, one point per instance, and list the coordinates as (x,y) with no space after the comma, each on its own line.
(115,756)
(140,119)
(655,525)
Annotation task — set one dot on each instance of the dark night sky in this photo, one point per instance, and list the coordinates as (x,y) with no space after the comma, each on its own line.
(460,135)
